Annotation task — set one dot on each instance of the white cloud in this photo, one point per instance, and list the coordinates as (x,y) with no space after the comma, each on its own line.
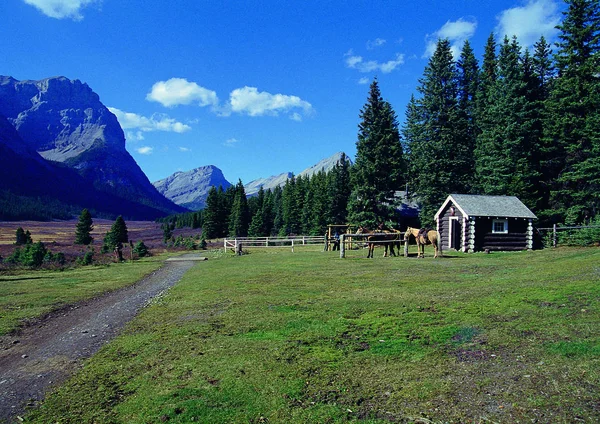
(146,150)
(157,122)
(179,91)
(296,117)
(378,42)
(134,135)
(231,142)
(363,81)
(528,23)
(250,101)
(184,149)
(357,62)
(61,9)
(457,32)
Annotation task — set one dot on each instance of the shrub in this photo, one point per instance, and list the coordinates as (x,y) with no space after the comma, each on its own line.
(87,258)
(141,249)
(34,255)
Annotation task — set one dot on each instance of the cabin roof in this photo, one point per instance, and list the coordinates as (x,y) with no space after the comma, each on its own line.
(480,205)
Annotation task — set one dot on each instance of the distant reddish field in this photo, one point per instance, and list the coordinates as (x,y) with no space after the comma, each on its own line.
(59,236)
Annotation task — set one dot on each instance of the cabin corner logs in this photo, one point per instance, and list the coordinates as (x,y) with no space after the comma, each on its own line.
(471,223)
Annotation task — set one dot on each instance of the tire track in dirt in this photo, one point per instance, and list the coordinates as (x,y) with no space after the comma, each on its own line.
(45,354)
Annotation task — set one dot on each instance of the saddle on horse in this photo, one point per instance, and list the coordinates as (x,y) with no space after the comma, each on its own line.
(422,235)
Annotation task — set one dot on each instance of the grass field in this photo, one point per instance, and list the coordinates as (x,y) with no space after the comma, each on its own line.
(29,294)
(306,337)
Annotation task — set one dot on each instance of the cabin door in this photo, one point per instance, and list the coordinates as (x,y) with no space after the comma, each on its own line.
(455,234)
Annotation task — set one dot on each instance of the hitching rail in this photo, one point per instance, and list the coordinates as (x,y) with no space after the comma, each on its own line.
(343,241)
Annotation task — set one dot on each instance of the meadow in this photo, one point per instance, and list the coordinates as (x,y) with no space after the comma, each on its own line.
(276,336)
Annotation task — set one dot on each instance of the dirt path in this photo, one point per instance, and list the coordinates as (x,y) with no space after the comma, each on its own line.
(46,353)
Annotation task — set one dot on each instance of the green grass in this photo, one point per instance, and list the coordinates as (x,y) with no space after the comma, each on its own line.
(307,337)
(31,294)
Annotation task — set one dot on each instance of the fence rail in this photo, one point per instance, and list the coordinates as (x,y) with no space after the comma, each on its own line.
(270,242)
(555,229)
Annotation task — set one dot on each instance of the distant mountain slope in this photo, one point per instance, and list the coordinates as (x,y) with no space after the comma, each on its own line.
(63,121)
(326,165)
(190,189)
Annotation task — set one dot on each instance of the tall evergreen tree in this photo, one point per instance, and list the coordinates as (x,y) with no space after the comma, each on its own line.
(258,222)
(83,230)
(215,218)
(439,155)
(379,168)
(506,151)
(239,218)
(573,125)
(468,85)
(338,189)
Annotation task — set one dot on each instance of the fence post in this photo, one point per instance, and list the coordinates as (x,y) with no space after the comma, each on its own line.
(554,235)
(405,247)
(292,245)
(343,246)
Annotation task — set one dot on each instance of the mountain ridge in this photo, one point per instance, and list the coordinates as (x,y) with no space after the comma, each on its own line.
(197,188)
(63,132)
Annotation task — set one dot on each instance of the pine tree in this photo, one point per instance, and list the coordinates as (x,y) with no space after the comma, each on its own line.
(338,189)
(239,218)
(116,237)
(379,168)
(84,228)
(573,127)
(258,222)
(468,85)
(506,154)
(214,218)
(439,155)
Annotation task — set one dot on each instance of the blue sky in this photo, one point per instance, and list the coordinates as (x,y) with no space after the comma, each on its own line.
(255,88)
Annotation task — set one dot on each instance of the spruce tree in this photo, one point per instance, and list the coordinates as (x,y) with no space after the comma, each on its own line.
(258,222)
(84,228)
(239,218)
(379,168)
(439,155)
(338,189)
(468,85)
(573,125)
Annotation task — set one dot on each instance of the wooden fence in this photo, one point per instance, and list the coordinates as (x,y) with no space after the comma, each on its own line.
(555,229)
(349,239)
(239,243)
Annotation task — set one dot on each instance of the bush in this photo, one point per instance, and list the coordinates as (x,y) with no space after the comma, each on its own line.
(34,255)
(87,258)
(141,249)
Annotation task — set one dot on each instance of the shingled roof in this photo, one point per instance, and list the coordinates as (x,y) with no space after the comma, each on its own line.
(479,205)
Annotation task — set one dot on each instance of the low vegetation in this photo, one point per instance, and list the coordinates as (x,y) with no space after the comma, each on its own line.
(275,336)
(30,294)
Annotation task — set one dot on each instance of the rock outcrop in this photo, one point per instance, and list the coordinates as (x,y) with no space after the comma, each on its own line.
(190,189)
(65,122)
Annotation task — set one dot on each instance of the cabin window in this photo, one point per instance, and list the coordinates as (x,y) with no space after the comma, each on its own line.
(500,226)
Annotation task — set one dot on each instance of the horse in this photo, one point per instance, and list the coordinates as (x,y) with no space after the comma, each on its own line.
(423,237)
(391,237)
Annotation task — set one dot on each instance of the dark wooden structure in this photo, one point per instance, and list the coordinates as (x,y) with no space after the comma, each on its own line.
(470,223)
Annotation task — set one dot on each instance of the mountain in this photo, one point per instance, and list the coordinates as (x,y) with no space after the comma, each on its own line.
(325,165)
(190,189)
(59,131)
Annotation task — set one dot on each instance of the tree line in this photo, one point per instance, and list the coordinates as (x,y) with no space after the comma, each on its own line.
(304,205)
(522,123)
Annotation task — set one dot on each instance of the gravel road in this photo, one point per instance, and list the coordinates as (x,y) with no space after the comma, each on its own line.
(46,353)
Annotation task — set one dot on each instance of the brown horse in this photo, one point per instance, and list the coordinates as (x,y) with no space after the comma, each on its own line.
(389,239)
(422,238)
